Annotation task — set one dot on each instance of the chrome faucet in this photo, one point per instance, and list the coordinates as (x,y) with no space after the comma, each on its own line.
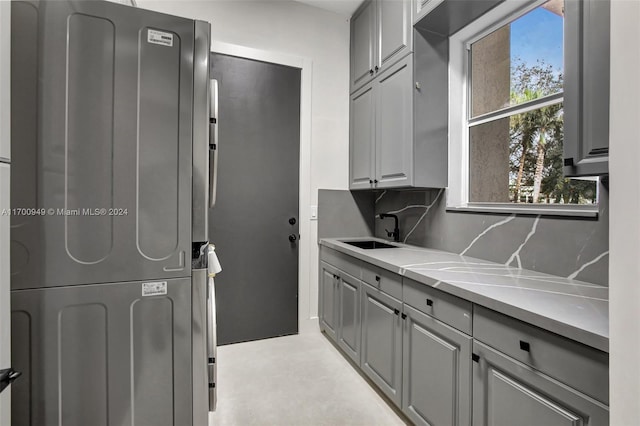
(396,231)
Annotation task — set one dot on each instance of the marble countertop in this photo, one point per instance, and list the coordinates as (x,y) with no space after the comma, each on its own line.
(573,309)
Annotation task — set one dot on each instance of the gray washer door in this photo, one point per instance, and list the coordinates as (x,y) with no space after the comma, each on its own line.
(101,141)
(256,212)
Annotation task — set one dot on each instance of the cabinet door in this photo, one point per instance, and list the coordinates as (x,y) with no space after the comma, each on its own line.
(422,7)
(394,32)
(362,44)
(436,372)
(507,392)
(394,126)
(586,87)
(362,138)
(349,313)
(381,357)
(328,284)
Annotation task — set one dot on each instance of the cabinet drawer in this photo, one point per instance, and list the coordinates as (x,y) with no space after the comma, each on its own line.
(348,264)
(449,309)
(383,280)
(584,368)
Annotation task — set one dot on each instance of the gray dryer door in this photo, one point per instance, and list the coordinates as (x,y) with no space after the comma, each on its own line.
(101,143)
(103,355)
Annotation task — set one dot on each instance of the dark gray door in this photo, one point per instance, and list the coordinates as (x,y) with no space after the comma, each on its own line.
(254,224)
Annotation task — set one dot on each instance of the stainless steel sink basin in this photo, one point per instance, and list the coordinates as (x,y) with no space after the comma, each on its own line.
(368,245)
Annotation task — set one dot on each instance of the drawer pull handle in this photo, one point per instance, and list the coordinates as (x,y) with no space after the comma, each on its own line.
(525,346)
(429,302)
(395,311)
(404,316)
(378,278)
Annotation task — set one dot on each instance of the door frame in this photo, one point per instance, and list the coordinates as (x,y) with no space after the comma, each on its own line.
(306,322)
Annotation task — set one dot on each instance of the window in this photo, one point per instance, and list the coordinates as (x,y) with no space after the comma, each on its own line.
(507,70)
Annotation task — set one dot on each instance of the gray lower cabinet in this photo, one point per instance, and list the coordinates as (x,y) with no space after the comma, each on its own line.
(507,392)
(419,351)
(339,307)
(436,372)
(349,315)
(328,300)
(381,353)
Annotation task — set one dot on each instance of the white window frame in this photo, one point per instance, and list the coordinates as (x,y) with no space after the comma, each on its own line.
(458,190)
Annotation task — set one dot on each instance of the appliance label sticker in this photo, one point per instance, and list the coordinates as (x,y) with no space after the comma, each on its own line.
(154,289)
(160,37)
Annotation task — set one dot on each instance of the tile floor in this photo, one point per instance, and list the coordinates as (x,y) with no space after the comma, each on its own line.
(295,380)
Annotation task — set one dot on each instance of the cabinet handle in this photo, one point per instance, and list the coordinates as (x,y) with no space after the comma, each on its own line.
(375,181)
(370,180)
(404,316)
(376,68)
(395,311)
(525,346)
(429,302)
(371,72)
(475,357)
(377,278)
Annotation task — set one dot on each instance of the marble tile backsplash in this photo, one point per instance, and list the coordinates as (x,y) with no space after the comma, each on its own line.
(569,247)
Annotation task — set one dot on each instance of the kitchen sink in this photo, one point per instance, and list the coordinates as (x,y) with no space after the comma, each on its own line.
(370,244)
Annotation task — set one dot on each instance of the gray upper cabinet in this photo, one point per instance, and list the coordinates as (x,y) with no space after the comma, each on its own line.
(328,299)
(381,354)
(422,7)
(436,372)
(394,32)
(394,126)
(363,25)
(507,392)
(362,133)
(586,87)
(380,36)
(389,148)
(349,316)
(381,151)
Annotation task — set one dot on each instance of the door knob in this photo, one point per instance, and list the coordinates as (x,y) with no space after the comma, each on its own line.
(292,237)
(292,221)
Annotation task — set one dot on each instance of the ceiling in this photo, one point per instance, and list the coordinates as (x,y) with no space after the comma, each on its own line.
(342,7)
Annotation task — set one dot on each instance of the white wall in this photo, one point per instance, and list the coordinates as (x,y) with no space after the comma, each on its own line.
(321,37)
(624,224)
